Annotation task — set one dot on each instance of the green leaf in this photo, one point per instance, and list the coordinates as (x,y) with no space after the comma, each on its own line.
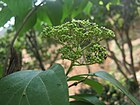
(78,7)
(43,15)
(79,103)
(87,9)
(67,7)
(54,11)
(36,87)
(38,26)
(5,16)
(57,68)
(28,25)
(91,82)
(19,8)
(111,79)
(87,98)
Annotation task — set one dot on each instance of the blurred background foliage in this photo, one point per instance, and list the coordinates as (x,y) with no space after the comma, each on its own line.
(24,19)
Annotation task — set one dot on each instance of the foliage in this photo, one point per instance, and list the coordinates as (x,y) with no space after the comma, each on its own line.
(47,12)
(93,83)
(24,91)
(109,78)
(110,95)
(35,87)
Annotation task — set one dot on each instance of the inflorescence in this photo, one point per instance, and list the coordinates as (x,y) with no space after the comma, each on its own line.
(80,40)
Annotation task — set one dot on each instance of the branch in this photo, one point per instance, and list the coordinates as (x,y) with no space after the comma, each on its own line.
(76,83)
(34,47)
(131,55)
(55,58)
(17,33)
(116,61)
(122,52)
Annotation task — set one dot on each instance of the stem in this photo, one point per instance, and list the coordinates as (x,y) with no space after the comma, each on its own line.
(76,83)
(70,68)
(88,68)
(90,45)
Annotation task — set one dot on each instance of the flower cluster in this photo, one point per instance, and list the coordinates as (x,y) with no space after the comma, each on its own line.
(80,40)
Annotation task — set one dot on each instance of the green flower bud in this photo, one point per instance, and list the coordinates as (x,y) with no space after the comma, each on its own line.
(80,37)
